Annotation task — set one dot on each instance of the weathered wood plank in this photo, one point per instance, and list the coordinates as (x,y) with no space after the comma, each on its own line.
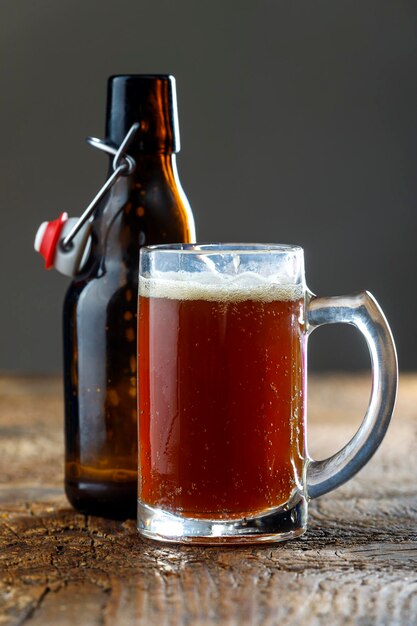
(356,565)
(73,603)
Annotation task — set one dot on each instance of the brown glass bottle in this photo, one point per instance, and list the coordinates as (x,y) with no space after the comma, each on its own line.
(148,207)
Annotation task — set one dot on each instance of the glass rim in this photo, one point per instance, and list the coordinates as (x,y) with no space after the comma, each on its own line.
(212,248)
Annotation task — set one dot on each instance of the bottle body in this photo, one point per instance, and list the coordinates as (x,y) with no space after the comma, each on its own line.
(100,346)
(100,343)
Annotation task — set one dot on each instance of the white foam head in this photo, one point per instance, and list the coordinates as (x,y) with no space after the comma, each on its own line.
(218,287)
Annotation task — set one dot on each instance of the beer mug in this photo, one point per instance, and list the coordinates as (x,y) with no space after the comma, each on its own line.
(222,341)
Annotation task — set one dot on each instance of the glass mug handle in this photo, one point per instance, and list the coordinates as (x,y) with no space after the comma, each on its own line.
(360,310)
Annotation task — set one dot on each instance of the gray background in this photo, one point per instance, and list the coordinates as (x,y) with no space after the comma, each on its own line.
(298,125)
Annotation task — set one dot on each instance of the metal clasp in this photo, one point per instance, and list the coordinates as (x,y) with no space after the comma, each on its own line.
(123,165)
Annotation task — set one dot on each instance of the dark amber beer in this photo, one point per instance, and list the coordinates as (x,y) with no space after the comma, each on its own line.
(221,396)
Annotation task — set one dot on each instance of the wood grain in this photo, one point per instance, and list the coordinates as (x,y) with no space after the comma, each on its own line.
(357,564)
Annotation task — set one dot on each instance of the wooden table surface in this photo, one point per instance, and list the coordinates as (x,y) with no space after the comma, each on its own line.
(357,564)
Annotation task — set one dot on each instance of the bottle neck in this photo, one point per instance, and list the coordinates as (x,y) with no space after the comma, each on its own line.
(149,100)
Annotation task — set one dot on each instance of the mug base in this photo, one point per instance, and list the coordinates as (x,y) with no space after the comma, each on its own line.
(280,524)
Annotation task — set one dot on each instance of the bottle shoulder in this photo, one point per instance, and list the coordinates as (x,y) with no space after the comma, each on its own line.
(148,208)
